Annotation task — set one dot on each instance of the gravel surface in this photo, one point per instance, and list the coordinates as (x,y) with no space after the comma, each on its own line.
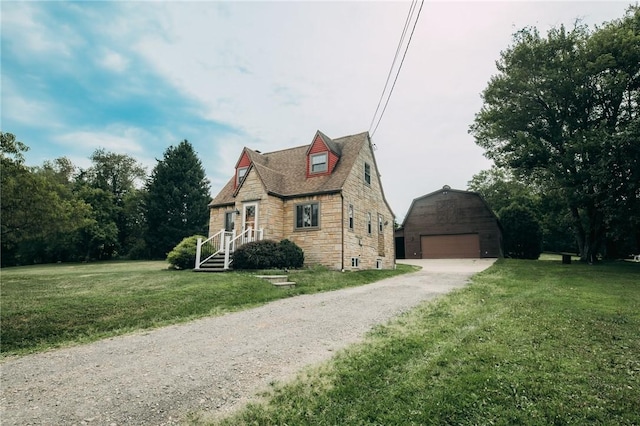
(212,365)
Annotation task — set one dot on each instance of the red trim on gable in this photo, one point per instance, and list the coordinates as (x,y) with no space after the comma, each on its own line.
(317,147)
(244,161)
(333,160)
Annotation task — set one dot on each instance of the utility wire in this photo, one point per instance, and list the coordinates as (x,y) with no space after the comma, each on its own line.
(399,68)
(395,58)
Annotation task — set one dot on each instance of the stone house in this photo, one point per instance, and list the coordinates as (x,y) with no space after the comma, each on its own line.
(326,197)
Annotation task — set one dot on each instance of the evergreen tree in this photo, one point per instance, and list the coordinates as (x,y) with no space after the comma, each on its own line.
(178,194)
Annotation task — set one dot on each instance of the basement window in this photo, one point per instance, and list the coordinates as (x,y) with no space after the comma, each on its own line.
(355,262)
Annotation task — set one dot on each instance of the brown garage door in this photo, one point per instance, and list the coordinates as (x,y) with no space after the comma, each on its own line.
(450,246)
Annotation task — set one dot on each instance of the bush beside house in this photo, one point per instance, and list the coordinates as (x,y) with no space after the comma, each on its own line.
(267,254)
(183,256)
(263,254)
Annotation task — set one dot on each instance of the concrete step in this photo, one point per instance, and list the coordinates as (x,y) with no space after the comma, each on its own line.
(281,281)
(286,284)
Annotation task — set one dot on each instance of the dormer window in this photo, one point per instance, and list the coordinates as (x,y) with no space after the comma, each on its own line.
(319,163)
(242,171)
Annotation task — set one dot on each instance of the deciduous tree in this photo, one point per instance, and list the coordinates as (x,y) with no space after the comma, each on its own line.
(563,113)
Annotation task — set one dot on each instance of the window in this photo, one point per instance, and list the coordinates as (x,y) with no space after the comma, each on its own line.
(351,217)
(355,262)
(380,223)
(369,223)
(307,215)
(379,264)
(319,163)
(229,220)
(367,173)
(241,174)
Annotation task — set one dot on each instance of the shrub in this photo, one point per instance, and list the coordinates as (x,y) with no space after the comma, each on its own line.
(522,232)
(267,254)
(292,256)
(183,256)
(257,255)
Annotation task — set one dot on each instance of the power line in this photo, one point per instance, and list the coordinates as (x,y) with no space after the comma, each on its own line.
(395,58)
(411,10)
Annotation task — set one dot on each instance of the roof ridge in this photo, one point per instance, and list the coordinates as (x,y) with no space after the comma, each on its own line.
(350,136)
(284,149)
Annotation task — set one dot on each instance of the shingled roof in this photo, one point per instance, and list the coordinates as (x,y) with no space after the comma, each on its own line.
(284,172)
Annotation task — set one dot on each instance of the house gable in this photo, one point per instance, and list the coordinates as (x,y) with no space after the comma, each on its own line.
(322,155)
(242,167)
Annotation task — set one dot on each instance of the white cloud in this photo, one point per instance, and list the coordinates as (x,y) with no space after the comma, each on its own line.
(24,110)
(24,26)
(113,61)
(120,139)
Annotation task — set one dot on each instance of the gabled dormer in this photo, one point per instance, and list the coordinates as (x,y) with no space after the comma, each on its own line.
(242,167)
(322,156)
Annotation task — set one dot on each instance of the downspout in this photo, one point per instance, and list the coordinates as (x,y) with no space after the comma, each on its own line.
(342,231)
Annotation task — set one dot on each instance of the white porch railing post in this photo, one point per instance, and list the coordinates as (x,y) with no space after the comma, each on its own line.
(233,239)
(227,253)
(198,253)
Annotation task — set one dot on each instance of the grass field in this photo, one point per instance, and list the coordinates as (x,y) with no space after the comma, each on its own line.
(529,342)
(48,306)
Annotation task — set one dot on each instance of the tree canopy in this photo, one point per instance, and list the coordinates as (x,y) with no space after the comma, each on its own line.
(562,113)
(58,212)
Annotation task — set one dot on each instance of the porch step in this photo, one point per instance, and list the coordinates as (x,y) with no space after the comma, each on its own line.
(215,264)
(281,281)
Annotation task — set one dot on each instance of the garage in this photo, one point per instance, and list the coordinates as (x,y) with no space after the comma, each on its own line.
(449,224)
(450,246)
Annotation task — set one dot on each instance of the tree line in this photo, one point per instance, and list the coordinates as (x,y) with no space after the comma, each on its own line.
(58,212)
(561,121)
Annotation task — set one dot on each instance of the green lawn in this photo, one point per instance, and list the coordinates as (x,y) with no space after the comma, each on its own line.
(48,306)
(529,342)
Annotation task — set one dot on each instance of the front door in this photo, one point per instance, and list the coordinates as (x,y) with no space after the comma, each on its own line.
(250,219)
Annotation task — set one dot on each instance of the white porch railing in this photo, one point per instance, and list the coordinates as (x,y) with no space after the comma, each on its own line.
(210,247)
(224,242)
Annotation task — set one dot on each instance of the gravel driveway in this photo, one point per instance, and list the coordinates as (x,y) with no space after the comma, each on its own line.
(214,364)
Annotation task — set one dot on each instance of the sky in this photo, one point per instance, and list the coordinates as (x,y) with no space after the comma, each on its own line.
(137,77)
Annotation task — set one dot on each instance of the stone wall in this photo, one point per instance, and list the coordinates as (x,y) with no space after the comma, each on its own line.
(375,247)
(321,245)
